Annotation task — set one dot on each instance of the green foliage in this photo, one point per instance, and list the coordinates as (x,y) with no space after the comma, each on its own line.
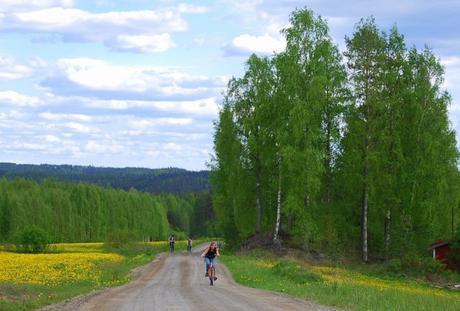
(71,212)
(362,157)
(416,266)
(394,265)
(32,240)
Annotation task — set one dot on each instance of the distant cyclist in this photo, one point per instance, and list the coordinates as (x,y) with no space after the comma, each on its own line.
(210,254)
(189,245)
(172,240)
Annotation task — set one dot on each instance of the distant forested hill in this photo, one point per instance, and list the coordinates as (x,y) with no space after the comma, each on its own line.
(167,180)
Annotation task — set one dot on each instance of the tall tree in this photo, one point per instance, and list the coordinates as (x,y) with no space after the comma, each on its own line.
(313,81)
(250,97)
(365,58)
(225,173)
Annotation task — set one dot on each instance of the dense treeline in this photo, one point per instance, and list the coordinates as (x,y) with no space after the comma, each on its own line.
(78,212)
(340,154)
(167,180)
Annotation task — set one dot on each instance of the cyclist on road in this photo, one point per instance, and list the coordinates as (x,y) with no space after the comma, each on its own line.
(172,240)
(210,254)
(189,245)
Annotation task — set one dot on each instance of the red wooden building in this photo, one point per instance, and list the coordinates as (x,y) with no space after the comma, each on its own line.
(441,250)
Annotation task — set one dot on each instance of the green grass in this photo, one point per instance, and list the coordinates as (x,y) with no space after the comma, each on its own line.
(15,297)
(27,297)
(340,287)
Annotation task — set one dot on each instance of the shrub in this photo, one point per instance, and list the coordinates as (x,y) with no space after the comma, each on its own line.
(32,240)
(415,265)
(394,265)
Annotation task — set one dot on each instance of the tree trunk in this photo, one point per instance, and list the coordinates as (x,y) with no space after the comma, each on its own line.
(278,209)
(387,234)
(364,206)
(328,159)
(258,205)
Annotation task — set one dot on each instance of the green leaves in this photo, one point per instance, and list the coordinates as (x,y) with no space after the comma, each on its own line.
(74,212)
(32,240)
(361,145)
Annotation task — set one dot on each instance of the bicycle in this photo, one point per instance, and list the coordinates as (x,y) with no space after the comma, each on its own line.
(211,274)
(210,255)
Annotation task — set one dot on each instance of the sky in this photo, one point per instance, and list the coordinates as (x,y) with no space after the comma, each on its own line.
(139,83)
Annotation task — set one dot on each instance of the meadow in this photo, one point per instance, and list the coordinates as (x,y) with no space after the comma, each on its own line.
(29,281)
(350,288)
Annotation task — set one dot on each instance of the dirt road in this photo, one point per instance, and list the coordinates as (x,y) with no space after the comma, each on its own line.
(177,282)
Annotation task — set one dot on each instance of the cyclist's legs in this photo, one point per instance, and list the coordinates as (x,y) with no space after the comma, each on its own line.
(207,261)
(214,261)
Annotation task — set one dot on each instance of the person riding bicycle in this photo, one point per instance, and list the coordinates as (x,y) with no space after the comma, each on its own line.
(189,245)
(210,254)
(172,240)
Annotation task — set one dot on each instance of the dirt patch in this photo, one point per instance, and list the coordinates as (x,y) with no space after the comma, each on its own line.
(261,240)
(13,293)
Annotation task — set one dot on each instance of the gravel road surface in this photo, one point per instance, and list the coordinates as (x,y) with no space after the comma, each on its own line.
(177,282)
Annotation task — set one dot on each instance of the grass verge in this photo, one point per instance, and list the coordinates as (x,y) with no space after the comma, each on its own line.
(341,287)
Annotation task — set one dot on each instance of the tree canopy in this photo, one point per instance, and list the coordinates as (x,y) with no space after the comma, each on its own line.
(344,152)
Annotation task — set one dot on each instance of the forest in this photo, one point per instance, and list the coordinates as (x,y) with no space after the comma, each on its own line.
(167,180)
(348,153)
(79,212)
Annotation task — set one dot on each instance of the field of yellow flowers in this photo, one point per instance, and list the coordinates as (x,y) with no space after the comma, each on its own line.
(28,281)
(339,286)
(53,269)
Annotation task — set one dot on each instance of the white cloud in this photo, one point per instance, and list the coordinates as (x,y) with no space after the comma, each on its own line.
(452,74)
(10,116)
(105,147)
(107,139)
(200,107)
(452,85)
(11,5)
(142,43)
(65,116)
(192,9)
(146,123)
(13,98)
(32,146)
(80,128)
(246,44)
(205,107)
(94,78)
(450,61)
(52,139)
(11,70)
(135,31)
(172,147)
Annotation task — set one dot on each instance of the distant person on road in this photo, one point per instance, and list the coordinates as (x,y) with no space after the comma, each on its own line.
(210,255)
(172,240)
(189,245)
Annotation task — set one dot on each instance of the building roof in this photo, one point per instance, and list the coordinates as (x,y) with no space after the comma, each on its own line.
(438,244)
